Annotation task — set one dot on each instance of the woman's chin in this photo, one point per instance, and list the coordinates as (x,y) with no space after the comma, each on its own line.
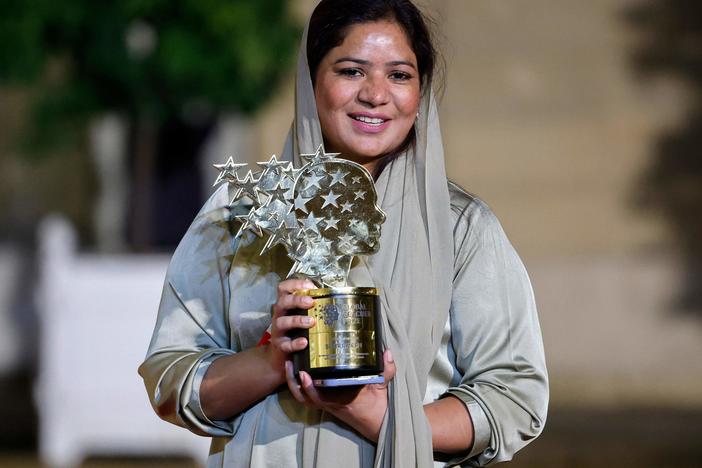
(362,157)
(363,146)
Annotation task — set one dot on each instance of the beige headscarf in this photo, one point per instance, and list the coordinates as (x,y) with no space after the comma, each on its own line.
(413,269)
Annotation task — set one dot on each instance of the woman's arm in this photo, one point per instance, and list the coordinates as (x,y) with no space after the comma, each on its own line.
(193,334)
(451,425)
(233,383)
(192,326)
(496,337)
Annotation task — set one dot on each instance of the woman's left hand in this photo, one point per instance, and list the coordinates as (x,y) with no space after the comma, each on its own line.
(362,407)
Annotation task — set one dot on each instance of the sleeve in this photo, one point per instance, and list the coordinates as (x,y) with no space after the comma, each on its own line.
(497,340)
(192,327)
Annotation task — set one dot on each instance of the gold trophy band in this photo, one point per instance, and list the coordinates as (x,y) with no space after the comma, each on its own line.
(344,345)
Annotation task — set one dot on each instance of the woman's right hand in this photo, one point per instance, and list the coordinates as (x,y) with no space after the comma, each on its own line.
(233,383)
(282,345)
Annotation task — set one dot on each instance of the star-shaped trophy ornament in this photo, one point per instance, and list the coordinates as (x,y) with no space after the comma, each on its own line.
(323,213)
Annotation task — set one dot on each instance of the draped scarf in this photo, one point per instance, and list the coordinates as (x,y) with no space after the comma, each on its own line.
(413,270)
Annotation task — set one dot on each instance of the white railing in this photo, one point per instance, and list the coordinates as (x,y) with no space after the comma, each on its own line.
(97,313)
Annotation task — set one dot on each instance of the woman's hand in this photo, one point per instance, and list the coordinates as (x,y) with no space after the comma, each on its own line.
(229,386)
(362,407)
(282,345)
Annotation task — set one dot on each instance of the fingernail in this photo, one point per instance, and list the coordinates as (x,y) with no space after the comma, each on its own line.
(390,358)
(308,301)
(307,320)
(310,285)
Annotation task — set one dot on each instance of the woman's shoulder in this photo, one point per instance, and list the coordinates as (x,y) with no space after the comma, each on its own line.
(467,208)
(477,229)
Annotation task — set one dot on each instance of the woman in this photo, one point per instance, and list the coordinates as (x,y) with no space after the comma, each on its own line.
(465,379)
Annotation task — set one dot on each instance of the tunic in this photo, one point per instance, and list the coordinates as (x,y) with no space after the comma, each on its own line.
(217,301)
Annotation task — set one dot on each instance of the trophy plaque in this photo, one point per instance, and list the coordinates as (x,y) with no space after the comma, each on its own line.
(324,214)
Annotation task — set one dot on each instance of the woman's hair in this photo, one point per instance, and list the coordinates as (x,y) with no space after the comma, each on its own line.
(331,21)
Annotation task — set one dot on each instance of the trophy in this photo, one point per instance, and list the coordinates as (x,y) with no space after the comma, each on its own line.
(324,214)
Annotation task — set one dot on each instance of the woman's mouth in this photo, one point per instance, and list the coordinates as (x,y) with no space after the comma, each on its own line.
(369,124)
(369,120)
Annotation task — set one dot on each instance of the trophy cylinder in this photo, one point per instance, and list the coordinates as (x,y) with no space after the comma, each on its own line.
(345,345)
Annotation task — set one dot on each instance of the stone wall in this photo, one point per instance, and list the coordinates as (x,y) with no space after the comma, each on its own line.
(543,118)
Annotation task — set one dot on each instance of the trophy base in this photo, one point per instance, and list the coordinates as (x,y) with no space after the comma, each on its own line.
(349,381)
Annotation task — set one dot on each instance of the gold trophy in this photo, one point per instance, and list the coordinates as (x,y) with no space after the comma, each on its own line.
(324,214)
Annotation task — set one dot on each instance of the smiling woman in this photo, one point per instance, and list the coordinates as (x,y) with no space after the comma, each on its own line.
(465,379)
(367,92)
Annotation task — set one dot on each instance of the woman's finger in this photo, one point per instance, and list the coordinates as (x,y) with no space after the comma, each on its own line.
(291,301)
(288,345)
(290,322)
(310,391)
(289,286)
(389,367)
(293,385)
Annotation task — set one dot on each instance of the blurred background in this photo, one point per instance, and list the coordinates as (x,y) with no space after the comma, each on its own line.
(580,123)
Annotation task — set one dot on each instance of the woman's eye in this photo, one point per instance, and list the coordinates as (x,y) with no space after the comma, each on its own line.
(400,76)
(350,72)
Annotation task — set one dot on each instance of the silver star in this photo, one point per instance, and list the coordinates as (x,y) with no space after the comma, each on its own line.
(331,223)
(277,237)
(274,216)
(292,173)
(325,244)
(272,213)
(300,202)
(249,187)
(330,199)
(356,179)
(346,206)
(319,156)
(279,193)
(282,235)
(345,239)
(311,223)
(249,222)
(274,173)
(227,171)
(360,194)
(262,217)
(313,181)
(273,165)
(338,177)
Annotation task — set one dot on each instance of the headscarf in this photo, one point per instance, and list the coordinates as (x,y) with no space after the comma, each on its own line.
(413,270)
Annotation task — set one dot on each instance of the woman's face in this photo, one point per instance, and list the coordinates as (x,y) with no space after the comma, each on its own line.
(368,92)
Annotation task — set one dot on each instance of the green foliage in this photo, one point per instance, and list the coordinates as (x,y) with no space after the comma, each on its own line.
(155,58)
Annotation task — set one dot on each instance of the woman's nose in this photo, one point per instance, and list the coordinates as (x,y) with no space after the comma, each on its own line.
(374,91)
